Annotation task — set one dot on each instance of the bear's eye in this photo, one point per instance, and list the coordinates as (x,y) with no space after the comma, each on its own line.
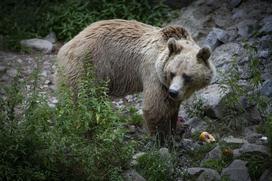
(172,75)
(186,78)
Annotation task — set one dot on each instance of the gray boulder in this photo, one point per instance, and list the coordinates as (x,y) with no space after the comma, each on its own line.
(214,154)
(216,37)
(204,174)
(132,175)
(237,171)
(51,37)
(266,89)
(251,148)
(267,175)
(196,124)
(38,44)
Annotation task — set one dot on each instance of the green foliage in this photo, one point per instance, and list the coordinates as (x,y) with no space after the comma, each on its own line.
(134,117)
(153,167)
(199,153)
(231,84)
(83,141)
(217,165)
(196,109)
(28,19)
(257,163)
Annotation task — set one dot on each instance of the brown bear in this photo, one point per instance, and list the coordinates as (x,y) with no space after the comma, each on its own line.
(165,63)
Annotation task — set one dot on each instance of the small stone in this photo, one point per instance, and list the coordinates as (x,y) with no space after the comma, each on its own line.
(239,14)
(267,24)
(138,155)
(266,89)
(254,138)
(197,125)
(215,38)
(237,171)
(131,129)
(267,175)
(263,54)
(47,82)
(231,139)
(214,154)
(3,69)
(19,60)
(188,144)
(51,37)
(205,173)
(251,148)
(53,100)
(12,72)
(132,175)
(234,3)
(246,28)
(38,44)
(44,73)
(164,154)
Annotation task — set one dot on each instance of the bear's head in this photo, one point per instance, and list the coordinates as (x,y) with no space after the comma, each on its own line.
(183,67)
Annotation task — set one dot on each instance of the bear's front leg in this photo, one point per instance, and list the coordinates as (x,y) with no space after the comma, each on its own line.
(160,112)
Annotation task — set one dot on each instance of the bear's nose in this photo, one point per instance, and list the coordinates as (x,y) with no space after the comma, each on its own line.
(173,93)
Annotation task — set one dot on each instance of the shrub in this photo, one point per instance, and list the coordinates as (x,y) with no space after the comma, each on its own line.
(66,18)
(83,141)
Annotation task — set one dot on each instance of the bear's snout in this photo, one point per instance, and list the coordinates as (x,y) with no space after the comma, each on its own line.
(173,93)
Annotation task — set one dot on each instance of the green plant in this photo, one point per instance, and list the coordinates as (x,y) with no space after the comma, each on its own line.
(83,141)
(196,108)
(28,19)
(154,167)
(256,164)
(134,117)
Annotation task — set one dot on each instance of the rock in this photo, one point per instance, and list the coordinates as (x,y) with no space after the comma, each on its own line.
(134,161)
(2,69)
(131,129)
(263,54)
(38,44)
(51,37)
(237,171)
(266,24)
(234,3)
(12,72)
(138,155)
(266,89)
(231,139)
(188,145)
(267,175)
(216,37)
(47,82)
(255,138)
(246,28)
(211,97)
(214,154)
(177,4)
(252,148)
(223,57)
(132,175)
(238,14)
(164,154)
(196,124)
(204,173)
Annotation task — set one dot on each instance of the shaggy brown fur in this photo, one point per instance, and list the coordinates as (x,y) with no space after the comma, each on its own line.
(137,57)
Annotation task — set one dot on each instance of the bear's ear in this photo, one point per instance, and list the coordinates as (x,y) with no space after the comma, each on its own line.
(173,46)
(176,32)
(204,54)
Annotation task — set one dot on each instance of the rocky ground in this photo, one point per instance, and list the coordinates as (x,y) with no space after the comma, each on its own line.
(229,27)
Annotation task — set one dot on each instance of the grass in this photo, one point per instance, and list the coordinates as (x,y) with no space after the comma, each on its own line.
(30,19)
(83,141)
(154,167)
